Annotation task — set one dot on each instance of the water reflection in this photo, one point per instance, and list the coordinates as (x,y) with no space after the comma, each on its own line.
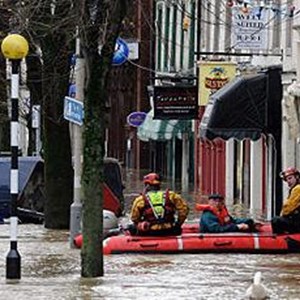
(208,276)
(51,270)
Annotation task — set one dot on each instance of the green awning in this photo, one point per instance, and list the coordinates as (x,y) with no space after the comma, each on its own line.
(161,130)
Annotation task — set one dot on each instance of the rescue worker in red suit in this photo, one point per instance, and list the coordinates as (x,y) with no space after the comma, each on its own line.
(216,218)
(157,212)
(289,219)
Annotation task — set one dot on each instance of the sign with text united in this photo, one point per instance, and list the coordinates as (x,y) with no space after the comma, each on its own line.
(175,102)
(73,110)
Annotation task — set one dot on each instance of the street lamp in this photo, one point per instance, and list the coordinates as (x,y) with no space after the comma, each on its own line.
(14,47)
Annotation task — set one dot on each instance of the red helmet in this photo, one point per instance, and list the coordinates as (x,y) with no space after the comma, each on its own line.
(289,171)
(152,179)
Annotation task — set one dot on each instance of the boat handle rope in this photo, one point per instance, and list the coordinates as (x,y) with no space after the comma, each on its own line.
(149,245)
(225,243)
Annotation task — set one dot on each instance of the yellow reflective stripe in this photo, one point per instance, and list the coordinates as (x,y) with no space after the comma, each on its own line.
(157,202)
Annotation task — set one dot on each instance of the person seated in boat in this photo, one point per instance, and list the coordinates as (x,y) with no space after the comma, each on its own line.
(157,212)
(289,219)
(215,218)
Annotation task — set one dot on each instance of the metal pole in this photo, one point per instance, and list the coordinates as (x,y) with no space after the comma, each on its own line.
(138,86)
(197,146)
(13,259)
(184,163)
(76,206)
(173,162)
(271,182)
(36,124)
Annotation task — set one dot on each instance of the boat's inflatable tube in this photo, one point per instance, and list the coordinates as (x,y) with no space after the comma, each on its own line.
(191,241)
(110,221)
(204,243)
(78,241)
(109,231)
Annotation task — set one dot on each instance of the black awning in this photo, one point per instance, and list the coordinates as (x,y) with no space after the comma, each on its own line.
(245,108)
(248,107)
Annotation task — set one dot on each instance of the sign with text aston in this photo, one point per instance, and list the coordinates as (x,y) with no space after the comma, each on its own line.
(248,29)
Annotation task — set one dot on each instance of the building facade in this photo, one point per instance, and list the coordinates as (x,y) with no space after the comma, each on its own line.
(254,35)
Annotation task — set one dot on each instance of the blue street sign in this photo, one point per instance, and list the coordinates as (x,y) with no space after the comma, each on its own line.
(72,91)
(121,52)
(136,118)
(73,110)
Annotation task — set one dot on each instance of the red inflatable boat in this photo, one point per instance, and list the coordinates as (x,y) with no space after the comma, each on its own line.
(195,242)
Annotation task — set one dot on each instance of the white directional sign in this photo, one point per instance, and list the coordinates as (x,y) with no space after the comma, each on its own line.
(36,116)
(73,110)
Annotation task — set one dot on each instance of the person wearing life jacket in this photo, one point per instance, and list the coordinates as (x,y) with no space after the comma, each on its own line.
(215,218)
(157,212)
(289,219)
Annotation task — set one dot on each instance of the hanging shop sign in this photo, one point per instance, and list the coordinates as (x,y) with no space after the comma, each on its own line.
(213,76)
(136,118)
(175,102)
(249,29)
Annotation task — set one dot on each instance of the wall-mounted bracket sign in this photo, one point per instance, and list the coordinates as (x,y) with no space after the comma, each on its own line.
(175,102)
(136,118)
(121,52)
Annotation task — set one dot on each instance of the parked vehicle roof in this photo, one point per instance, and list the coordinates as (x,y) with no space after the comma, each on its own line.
(26,166)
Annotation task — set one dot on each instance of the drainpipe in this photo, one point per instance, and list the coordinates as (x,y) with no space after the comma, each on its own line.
(138,82)
(185,159)
(197,121)
(173,162)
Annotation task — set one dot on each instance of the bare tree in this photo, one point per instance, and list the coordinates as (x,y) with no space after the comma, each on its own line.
(4,119)
(49,27)
(101,24)
(52,29)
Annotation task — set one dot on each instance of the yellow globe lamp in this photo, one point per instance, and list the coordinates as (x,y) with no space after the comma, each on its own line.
(14,46)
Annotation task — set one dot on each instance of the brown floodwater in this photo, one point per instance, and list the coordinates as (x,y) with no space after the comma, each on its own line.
(51,269)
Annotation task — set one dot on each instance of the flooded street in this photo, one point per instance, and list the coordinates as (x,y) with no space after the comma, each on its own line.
(51,270)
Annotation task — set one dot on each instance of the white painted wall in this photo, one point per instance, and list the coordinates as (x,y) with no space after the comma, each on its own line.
(256,188)
(229,187)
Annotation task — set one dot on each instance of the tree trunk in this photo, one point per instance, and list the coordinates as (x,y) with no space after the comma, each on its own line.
(34,83)
(55,46)
(4,119)
(102,25)
(52,29)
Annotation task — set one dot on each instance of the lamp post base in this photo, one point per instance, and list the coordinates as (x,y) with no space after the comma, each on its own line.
(13,264)
(75,220)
